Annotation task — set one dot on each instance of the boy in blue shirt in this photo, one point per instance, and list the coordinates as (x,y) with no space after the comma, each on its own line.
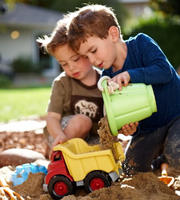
(94,32)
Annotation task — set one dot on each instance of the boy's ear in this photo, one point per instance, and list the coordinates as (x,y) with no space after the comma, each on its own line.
(114,33)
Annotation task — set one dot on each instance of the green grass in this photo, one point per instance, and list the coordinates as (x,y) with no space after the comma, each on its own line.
(21,103)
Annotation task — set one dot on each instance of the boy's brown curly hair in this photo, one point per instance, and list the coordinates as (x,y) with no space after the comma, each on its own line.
(91,20)
(57,38)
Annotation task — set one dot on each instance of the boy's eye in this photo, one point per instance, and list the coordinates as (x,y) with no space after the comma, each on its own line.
(76,59)
(94,51)
(63,65)
(85,56)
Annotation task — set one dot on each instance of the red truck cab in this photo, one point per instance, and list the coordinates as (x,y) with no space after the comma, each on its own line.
(57,176)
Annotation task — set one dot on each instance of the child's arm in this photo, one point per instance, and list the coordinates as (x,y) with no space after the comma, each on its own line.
(148,63)
(54,124)
(55,130)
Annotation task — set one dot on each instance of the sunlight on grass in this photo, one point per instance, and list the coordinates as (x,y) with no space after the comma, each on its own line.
(19,103)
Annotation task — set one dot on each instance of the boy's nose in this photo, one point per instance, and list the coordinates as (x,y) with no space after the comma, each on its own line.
(71,67)
(92,59)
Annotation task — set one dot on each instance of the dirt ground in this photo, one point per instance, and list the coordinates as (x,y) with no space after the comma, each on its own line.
(139,187)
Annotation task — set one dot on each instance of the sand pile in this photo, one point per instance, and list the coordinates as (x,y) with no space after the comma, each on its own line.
(139,187)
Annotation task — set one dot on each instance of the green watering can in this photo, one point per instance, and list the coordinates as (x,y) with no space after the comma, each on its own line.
(131,104)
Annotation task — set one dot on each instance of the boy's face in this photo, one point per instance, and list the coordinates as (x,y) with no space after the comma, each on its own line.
(75,65)
(101,52)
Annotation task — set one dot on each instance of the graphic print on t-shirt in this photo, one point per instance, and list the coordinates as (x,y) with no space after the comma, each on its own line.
(92,107)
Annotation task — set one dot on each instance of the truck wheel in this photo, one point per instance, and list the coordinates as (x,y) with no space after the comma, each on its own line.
(96,180)
(60,186)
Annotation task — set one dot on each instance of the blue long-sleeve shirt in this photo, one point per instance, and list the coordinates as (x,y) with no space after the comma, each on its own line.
(146,63)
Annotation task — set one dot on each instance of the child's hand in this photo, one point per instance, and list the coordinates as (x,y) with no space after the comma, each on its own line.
(121,79)
(58,140)
(129,129)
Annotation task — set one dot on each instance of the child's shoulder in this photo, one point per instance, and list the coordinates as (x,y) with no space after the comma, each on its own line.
(140,37)
(141,41)
(62,78)
(62,75)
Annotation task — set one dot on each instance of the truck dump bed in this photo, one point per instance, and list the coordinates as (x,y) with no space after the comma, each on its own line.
(82,158)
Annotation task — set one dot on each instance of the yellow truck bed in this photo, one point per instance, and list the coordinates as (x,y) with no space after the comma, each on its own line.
(82,158)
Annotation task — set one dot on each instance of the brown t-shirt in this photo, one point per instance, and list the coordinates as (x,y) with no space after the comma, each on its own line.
(70,96)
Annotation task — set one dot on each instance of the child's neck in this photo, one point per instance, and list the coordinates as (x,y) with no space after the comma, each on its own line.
(90,79)
(121,56)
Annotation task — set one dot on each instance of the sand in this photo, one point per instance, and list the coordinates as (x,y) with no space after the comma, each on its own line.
(138,187)
(106,139)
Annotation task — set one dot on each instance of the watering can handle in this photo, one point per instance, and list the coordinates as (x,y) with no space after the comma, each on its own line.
(100,81)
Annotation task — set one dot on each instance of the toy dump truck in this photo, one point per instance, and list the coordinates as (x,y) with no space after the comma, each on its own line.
(75,163)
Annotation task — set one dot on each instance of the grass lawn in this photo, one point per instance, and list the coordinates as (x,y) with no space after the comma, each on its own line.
(19,103)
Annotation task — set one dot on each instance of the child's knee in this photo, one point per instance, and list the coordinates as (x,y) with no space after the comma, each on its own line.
(83,122)
(172,153)
(78,126)
(172,146)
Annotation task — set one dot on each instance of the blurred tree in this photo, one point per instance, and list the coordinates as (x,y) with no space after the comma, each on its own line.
(167,7)
(65,6)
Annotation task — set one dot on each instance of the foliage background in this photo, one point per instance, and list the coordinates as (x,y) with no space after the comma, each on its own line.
(65,6)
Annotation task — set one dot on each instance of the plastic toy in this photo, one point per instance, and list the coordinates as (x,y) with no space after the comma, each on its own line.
(168,180)
(22,172)
(5,189)
(133,103)
(75,163)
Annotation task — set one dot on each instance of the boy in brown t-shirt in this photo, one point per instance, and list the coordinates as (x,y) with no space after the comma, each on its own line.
(75,105)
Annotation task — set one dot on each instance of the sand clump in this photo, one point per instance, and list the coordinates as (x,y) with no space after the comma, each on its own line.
(143,186)
(106,139)
(32,186)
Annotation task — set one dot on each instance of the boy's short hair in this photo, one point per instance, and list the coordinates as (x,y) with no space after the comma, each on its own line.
(91,20)
(48,44)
